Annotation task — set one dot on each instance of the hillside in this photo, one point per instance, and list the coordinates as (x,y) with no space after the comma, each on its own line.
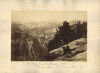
(78,51)
(25,46)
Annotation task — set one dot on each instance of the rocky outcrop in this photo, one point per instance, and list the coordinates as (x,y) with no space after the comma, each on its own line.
(55,53)
(77,48)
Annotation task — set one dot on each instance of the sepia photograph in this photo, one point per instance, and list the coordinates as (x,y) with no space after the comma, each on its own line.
(49,36)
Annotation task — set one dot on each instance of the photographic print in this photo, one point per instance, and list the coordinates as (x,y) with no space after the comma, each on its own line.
(48,36)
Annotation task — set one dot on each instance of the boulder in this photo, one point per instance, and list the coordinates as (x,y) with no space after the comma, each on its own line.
(76,47)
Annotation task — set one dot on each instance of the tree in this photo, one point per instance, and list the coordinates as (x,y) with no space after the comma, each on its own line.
(66,33)
(61,37)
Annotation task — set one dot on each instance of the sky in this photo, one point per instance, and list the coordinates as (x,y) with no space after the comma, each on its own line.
(47,16)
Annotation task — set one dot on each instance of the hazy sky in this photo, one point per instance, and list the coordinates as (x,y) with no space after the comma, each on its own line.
(47,16)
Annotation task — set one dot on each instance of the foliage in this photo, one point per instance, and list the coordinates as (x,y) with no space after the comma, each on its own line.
(67,33)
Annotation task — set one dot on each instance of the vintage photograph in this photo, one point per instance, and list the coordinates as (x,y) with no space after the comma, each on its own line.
(48,36)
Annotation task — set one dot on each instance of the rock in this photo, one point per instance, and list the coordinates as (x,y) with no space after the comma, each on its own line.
(78,57)
(78,51)
(56,53)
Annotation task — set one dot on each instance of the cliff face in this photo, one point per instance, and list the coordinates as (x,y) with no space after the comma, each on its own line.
(25,47)
(78,51)
(28,49)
